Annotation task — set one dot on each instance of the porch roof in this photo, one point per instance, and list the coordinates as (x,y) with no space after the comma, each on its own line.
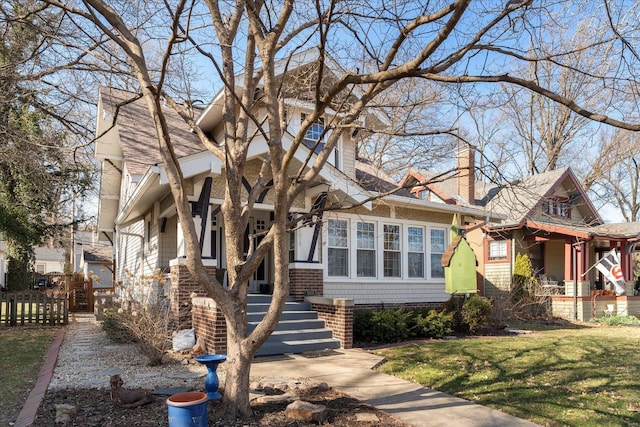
(614,231)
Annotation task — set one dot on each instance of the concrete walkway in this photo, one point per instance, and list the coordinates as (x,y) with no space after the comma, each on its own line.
(351,372)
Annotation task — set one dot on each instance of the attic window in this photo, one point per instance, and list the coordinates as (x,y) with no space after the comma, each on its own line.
(314,137)
(557,207)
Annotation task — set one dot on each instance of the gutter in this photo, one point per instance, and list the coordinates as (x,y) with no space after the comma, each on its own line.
(142,187)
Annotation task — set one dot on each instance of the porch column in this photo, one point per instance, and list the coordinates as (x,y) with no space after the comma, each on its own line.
(568,262)
(305,280)
(206,247)
(182,286)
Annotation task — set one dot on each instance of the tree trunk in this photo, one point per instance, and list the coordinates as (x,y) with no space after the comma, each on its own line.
(238,367)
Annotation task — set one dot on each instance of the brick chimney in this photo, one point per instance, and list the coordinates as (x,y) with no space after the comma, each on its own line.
(465,179)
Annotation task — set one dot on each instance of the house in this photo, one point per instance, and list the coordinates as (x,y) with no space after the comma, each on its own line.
(47,261)
(97,265)
(377,253)
(550,218)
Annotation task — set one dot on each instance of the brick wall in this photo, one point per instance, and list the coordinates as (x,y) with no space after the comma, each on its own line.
(305,282)
(180,290)
(209,325)
(338,316)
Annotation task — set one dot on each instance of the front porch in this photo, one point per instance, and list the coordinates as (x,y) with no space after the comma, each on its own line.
(588,303)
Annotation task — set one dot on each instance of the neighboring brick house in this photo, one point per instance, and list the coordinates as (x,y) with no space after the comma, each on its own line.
(547,216)
(384,252)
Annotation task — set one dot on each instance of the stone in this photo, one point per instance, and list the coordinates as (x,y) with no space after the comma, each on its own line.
(279,398)
(306,411)
(64,413)
(367,417)
(323,387)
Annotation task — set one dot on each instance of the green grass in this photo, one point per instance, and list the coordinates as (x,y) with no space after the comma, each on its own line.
(22,351)
(587,376)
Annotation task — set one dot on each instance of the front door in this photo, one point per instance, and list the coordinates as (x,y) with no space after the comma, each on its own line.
(256,229)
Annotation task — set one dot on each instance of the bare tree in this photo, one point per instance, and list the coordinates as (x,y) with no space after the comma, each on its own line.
(615,174)
(455,43)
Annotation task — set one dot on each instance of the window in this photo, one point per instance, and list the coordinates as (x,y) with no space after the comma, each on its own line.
(425,194)
(415,256)
(292,246)
(360,249)
(40,268)
(497,250)
(392,254)
(366,246)
(338,248)
(437,249)
(313,138)
(557,207)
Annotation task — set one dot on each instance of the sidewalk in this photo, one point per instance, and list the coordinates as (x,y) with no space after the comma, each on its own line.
(351,372)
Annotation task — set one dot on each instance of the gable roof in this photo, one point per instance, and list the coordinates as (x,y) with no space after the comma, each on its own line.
(136,129)
(518,199)
(101,254)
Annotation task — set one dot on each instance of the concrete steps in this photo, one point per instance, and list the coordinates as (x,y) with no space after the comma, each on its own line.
(299,330)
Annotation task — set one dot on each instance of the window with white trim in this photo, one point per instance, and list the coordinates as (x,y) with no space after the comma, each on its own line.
(437,249)
(338,248)
(366,249)
(314,137)
(292,246)
(497,250)
(392,256)
(415,254)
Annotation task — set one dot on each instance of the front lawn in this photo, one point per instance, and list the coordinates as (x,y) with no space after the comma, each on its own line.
(22,351)
(575,377)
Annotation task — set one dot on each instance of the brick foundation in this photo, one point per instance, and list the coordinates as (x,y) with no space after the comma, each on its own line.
(209,325)
(180,290)
(305,282)
(338,316)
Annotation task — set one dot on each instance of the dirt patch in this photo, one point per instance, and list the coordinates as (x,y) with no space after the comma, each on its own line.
(95,408)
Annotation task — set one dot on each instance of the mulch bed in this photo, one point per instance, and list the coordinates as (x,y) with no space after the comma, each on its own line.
(95,408)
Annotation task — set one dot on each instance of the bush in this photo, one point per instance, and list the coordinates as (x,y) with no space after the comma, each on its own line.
(618,320)
(476,312)
(434,324)
(523,283)
(391,325)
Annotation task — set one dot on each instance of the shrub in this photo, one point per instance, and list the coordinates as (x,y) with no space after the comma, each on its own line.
(476,312)
(434,324)
(618,320)
(362,330)
(391,325)
(384,326)
(523,282)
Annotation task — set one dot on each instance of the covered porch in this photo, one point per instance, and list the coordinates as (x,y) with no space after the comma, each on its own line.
(563,258)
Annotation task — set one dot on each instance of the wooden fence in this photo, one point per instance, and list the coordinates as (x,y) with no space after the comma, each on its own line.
(34,307)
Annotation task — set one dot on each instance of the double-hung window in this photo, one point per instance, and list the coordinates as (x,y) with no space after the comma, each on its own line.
(392,255)
(437,249)
(338,248)
(366,246)
(314,136)
(497,250)
(415,255)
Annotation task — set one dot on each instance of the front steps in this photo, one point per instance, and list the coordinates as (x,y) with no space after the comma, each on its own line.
(299,330)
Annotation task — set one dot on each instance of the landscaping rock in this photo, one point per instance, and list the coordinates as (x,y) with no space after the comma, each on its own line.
(278,398)
(306,412)
(64,413)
